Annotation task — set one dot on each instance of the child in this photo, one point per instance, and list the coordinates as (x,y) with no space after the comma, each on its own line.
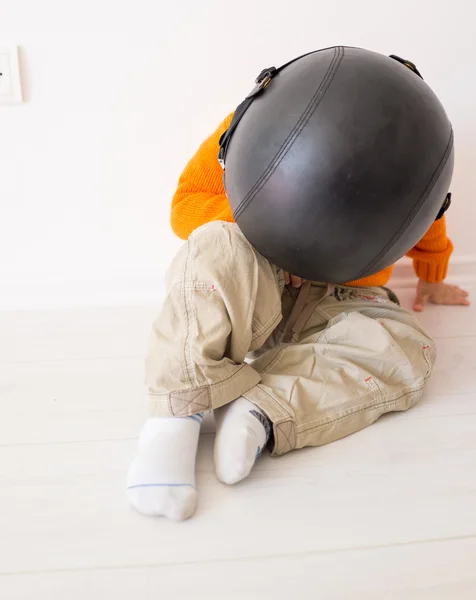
(328,360)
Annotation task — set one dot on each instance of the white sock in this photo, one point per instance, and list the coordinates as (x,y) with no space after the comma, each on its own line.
(161,478)
(242,433)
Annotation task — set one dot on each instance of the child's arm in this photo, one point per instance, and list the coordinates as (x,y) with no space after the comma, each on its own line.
(430,260)
(200,196)
(432,253)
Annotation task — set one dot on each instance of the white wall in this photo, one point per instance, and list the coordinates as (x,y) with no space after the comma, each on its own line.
(119,95)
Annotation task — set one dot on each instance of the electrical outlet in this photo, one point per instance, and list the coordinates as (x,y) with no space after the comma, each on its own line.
(10,83)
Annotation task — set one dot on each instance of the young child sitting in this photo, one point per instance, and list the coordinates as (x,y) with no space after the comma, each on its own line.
(282,363)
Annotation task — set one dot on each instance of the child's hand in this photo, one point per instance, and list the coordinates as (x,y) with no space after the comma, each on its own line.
(438,293)
(293,279)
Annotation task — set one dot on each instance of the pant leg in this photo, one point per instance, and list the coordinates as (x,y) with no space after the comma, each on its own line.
(222,301)
(357,357)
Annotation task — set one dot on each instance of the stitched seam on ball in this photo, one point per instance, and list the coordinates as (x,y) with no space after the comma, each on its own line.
(296,131)
(415,210)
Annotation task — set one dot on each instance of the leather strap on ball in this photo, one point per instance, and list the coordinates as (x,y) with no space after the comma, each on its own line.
(444,208)
(407,63)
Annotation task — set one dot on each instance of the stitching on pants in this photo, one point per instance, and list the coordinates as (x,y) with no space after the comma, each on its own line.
(224,382)
(274,361)
(198,285)
(189,286)
(256,321)
(288,441)
(276,400)
(212,386)
(374,387)
(363,409)
(425,351)
(262,328)
(265,335)
(191,309)
(201,392)
(187,316)
(312,309)
(322,313)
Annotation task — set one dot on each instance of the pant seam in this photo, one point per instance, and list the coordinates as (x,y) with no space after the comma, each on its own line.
(274,361)
(363,409)
(299,327)
(425,352)
(211,386)
(257,342)
(236,375)
(275,399)
(184,294)
(263,328)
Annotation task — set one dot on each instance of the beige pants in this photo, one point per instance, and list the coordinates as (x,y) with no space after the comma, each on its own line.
(322,362)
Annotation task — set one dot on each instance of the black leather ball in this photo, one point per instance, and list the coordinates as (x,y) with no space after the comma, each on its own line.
(340,165)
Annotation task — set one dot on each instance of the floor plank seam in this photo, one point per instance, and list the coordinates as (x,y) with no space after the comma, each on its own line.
(214,561)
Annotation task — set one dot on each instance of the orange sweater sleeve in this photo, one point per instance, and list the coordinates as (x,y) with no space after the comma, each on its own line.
(431,255)
(200,196)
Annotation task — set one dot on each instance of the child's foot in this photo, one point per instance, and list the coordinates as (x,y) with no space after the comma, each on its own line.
(161,479)
(242,433)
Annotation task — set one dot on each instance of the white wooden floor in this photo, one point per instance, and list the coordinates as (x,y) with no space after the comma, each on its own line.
(389,513)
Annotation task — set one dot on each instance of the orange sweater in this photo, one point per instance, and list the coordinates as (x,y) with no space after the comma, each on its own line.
(200,198)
